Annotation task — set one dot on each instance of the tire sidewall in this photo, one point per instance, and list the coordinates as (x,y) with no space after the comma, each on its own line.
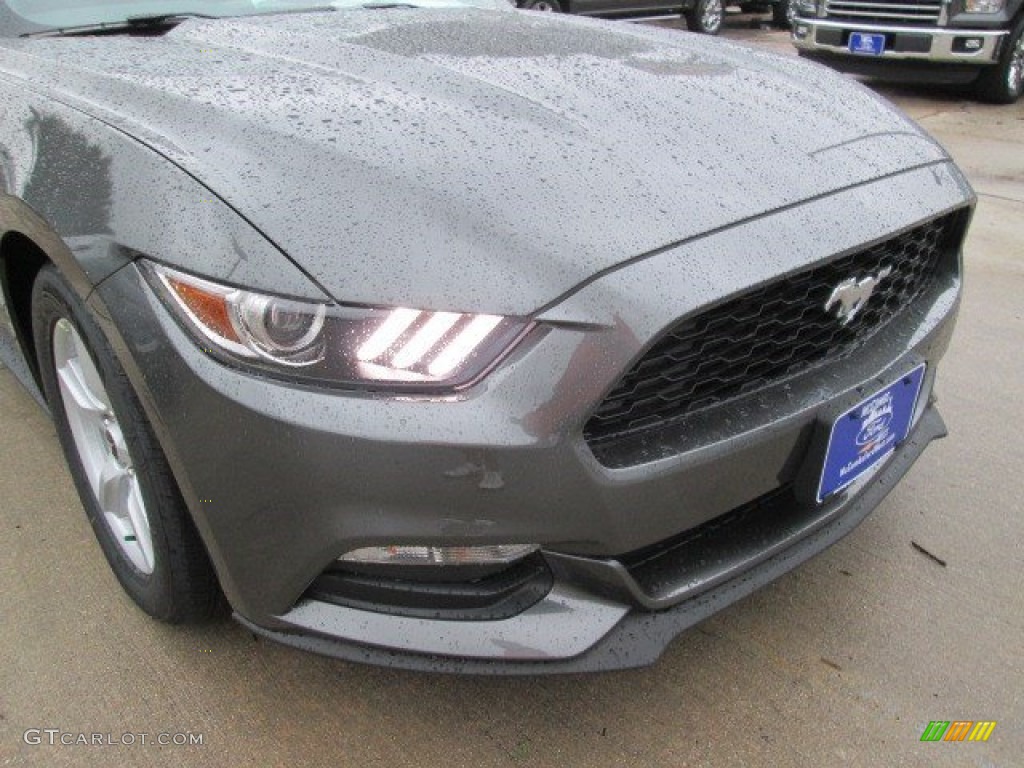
(783,14)
(1015,38)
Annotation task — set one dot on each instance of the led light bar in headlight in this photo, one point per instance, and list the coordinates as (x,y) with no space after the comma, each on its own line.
(397,348)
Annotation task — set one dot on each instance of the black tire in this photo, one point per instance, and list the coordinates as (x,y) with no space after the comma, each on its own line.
(1003,83)
(180,585)
(783,14)
(706,17)
(551,6)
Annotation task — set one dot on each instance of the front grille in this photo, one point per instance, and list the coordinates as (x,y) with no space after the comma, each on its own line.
(915,12)
(768,334)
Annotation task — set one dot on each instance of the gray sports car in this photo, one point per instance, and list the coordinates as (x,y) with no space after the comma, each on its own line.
(454,337)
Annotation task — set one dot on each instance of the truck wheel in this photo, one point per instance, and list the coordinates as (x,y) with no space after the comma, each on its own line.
(783,13)
(1004,82)
(551,6)
(705,17)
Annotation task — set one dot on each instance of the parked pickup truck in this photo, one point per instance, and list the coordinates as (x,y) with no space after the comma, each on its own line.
(704,16)
(953,41)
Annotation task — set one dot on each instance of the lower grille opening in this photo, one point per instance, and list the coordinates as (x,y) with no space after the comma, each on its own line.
(489,597)
(731,538)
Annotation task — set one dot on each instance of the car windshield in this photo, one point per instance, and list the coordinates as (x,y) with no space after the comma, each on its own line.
(26,16)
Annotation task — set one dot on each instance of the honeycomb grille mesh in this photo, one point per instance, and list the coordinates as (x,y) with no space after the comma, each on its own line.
(768,334)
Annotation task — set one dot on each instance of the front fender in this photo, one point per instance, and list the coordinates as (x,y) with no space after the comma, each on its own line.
(92,199)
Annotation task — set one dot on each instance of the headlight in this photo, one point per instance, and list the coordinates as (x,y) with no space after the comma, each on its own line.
(394,348)
(984,6)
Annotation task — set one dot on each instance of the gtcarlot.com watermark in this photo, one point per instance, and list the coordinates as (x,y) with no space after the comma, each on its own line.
(55,737)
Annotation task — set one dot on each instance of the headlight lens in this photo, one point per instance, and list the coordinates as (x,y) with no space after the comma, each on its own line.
(984,6)
(396,348)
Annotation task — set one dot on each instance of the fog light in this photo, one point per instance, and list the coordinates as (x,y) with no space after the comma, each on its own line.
(967,44)
(406,555)
(800,31)
(984,6)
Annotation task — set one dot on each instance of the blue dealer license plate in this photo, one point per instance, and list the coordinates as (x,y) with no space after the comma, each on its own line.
(867,44)
(865,435)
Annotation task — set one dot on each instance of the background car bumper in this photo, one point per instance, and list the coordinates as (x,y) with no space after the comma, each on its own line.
(829,41)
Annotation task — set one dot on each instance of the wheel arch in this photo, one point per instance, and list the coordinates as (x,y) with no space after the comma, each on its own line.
(27,244)
(21,258)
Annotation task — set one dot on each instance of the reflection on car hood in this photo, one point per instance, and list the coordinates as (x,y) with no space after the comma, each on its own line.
(475,160)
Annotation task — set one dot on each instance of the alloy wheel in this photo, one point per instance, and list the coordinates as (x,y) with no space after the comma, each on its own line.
(711,17)
(101,446)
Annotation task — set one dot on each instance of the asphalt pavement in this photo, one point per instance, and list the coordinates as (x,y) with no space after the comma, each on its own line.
(916,616)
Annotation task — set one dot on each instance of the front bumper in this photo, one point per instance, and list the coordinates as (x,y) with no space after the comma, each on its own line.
(573,630)
(904,45)
(282,479)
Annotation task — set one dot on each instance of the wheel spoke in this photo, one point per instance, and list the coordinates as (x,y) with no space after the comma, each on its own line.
(90,376)
(75,383)
(113,489)
(120,499)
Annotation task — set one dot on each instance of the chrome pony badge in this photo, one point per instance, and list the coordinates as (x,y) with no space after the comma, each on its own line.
(852,294)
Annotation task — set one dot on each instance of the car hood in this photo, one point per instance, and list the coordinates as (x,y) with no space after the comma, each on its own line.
(478,160)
